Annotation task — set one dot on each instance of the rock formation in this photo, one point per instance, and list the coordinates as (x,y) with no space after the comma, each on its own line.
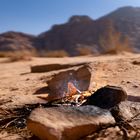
(113,33)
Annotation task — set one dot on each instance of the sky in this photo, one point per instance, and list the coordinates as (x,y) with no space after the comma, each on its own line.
(36,16)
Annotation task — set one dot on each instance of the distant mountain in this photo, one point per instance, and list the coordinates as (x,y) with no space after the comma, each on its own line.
(78,32)
(15,41)
(127,21)
(118,30)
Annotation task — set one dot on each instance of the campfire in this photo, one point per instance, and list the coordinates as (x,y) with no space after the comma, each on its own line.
(73,94)
(70,86)
(73,109)
(78,114)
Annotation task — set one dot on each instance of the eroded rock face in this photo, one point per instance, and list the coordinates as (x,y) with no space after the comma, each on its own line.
(80,77)
(127,111)
(80,31)
(127,21)
(107,97)
(67,123)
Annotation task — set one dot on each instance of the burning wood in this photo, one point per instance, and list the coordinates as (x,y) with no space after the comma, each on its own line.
(75,95)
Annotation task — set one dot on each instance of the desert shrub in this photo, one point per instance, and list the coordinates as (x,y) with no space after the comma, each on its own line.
(3,54)
(21,56)
(56,53)
(114,42)
(84,51)
(119,47)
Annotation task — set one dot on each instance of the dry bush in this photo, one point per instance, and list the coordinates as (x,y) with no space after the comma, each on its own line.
(85,51)
(5,54)
(21,56)
(114,42)
(57,53)
(120,47)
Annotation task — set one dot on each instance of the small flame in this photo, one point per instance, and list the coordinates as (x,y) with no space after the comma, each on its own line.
(72,90)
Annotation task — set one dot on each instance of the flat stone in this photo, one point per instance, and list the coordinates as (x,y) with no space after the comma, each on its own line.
(67,123)
(107,97)
(52,67)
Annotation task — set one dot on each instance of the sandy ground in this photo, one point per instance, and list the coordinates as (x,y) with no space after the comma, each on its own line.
(18,84)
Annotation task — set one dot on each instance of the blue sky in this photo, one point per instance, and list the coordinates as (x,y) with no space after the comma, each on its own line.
(36,16)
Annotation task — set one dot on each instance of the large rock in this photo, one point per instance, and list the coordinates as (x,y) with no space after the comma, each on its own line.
(107,97)
(80,77)
(128,111)
(67,123)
